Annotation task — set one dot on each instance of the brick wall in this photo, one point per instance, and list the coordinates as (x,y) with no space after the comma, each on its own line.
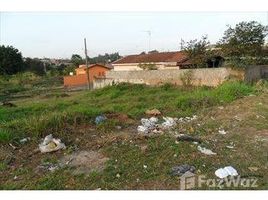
(81,79)
(75,81)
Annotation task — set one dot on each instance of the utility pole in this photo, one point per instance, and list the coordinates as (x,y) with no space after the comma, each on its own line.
(88,84)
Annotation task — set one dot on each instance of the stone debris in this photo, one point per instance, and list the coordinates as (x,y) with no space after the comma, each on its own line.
(182,169)
(51,144)
(225,172)
(188,138)
(153,112)
(205,150)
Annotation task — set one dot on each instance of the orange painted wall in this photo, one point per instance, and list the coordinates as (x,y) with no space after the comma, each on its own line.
(81,79)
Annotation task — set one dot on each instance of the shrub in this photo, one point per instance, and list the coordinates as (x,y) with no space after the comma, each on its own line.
(187,78)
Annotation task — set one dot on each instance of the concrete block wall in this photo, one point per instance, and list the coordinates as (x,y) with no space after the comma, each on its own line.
(204,76)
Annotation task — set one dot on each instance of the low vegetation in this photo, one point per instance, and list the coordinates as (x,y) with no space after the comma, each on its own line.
(135,162)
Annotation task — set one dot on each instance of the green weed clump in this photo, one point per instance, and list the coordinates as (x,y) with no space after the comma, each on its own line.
(52,115)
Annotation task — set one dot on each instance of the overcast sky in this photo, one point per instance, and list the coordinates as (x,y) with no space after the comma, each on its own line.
(59,35)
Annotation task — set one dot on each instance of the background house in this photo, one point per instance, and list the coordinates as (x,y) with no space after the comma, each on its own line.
(80,79)
(162,60)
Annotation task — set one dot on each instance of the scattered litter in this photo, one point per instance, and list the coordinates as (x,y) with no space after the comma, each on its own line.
(253,169)
(49,167)
(237,118)
(24,140)
(226,171)
(181,169)
(148,125)
(153,112)
(205,151)
(51,144)
(145,166)
(15,178)
(212,118)
(230,147)
(221,107)
(118,127)
(222,131)
(188,138)
(188,119)
(99,119)
(258,116)
(117,175)
(169,122)
(12,146)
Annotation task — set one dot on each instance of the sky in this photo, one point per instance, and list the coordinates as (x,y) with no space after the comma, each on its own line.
(61,34)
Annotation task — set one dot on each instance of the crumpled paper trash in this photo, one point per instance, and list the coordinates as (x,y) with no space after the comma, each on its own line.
(205,151)
(226,171)
(51,144)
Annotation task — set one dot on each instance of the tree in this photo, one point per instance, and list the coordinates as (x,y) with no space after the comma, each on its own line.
(245,39)
(34,65)
(104,59)
(10,60)
(76,60)
(197,51)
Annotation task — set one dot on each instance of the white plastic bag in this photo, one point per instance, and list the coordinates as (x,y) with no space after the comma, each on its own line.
(51,144)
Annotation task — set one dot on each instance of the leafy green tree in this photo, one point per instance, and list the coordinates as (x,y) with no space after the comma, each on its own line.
(197,51)
(34,65)
(10,60)
(245,39)
(104,59)
(76,60)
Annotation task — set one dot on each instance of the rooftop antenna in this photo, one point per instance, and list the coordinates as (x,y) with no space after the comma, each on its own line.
(149,41)
(181,44)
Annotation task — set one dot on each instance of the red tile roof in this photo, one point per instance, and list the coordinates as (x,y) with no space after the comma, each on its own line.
(93,65)
(176,56)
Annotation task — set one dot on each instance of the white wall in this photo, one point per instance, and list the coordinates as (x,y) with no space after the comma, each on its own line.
(134,66)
